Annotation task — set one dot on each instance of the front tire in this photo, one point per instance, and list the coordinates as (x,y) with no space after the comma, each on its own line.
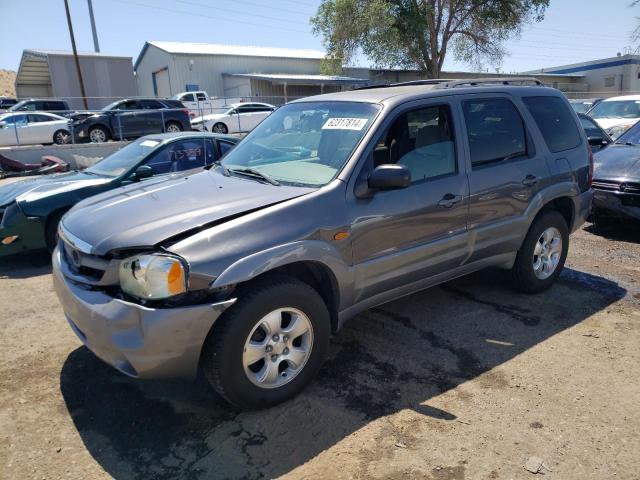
(98,134)
(269,345)
(542,254)
(220,128)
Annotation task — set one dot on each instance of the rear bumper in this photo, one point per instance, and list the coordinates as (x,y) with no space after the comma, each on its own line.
(619,205)
(140,342)
(582,209)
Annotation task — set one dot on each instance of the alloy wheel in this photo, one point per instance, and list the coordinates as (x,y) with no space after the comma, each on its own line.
(547,253)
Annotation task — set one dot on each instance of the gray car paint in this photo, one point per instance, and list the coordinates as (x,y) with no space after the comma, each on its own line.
(400,241)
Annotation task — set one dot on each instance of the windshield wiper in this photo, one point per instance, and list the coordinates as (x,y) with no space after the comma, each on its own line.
(252,172)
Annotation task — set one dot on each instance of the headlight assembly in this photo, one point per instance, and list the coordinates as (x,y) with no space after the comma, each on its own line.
(153,276)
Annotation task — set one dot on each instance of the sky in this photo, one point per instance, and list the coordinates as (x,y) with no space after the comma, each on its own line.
(572,31)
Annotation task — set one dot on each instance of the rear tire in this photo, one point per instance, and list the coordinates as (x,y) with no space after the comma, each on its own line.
(220,128)
(269,378)
(542,254)
(172,127)
(61,137)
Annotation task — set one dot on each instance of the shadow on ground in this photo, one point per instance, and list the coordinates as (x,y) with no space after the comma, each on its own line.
(394,357)
(25,265)
(622,231)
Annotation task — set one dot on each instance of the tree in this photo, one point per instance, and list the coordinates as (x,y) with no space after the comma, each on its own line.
(420,33)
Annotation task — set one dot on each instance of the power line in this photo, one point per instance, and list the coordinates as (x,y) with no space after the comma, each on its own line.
(267,17)
(271,7)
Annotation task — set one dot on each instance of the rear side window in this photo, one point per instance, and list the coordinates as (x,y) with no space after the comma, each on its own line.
(555,122)
(495,130)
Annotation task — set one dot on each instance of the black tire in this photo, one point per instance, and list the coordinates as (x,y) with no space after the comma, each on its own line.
(172,126)
(523,272)
(223,349)
(51,229)
(61,137)
(98,129)
(220,128)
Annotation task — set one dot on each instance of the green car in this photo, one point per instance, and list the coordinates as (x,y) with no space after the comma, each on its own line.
(31,209)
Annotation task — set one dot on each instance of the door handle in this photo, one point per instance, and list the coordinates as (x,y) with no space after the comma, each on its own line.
(449,200)
(530,180)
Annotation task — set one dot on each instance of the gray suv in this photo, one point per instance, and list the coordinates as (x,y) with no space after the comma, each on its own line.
(332,205)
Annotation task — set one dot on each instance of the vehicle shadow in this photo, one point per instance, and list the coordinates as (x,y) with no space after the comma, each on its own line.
(25,265)
(628,231)
(393,357)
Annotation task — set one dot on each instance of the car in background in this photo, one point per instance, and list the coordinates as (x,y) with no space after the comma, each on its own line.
(7,102)
(199,103)
(583,105)
(131,118)
(41,105)
(31,209)
(38,128)
(241,117)
(597,137)
(616,178)
(617,114)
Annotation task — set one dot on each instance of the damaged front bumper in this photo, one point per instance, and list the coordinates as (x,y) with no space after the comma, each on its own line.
(139,341)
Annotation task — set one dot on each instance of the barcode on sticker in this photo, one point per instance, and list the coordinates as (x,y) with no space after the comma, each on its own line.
(344,124)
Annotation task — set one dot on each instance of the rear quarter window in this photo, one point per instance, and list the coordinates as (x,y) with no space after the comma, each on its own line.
(555,121)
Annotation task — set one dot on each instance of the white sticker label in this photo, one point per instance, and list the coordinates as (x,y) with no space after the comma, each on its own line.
(149,143)
(344,124)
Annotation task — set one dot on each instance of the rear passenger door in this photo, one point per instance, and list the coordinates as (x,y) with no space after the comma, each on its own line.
(400,237)
(505,172)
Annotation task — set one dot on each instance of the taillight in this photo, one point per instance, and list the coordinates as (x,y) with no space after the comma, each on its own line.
(590,177)
(186,111)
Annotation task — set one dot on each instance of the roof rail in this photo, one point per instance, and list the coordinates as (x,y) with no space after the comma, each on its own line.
(473,82)
(432,81)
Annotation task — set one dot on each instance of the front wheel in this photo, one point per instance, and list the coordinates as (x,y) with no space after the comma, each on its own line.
(269,345)
(220,128)
(543,253)
(98,135)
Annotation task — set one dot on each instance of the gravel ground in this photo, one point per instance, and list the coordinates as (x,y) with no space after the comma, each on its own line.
(464,381)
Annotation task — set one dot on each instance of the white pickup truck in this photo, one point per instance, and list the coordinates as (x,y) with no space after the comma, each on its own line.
(199,103)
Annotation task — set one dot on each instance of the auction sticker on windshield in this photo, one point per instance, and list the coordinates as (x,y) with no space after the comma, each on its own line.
(344,124)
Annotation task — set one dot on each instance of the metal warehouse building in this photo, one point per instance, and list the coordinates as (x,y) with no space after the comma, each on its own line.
(166,68)
(49,73)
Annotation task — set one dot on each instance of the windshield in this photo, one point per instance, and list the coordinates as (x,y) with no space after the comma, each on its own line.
(630,136)
(616,109)
(304,144)
(124,159)
(18,105)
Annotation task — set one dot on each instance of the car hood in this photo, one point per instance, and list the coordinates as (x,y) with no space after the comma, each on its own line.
(618,162)
(607,123)
(144,215)
(39,187)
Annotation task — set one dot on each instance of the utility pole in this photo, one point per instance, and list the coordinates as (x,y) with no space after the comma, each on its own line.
(96,46)
(75,55)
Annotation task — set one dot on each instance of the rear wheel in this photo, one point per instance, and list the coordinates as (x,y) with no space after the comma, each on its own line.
(172,127)
(543,253)
(269,345)
(61,137)
(219,128)
(98,134)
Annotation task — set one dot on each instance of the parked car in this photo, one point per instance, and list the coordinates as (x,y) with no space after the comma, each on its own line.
(133,118)
(617,114)
(41,105)
(583,105)
(31,209)
(7,102)
(33,129)
(241,117)
(244,270)
(597,137)
(616,180)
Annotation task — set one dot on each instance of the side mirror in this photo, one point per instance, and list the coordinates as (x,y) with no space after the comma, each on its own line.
(389,177)
(142,172)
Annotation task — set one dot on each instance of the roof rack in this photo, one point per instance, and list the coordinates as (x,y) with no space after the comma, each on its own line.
(473,82)
(432,81)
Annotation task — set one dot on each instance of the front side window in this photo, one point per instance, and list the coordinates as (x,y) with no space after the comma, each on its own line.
(224,147)
(495,130)
(123,160)
(616,109)
(183,155)
(149,104)
(305,143)
(188,98)
(422,140)
(15,120)
(201,97)
(35,118)
(554,121)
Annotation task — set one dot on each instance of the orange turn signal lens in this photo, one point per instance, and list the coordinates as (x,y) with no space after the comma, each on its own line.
(341,235)
(9,240)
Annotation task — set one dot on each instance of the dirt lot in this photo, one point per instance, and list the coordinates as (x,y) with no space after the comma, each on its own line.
(464,381)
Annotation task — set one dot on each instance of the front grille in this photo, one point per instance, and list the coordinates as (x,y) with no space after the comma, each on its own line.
(85,267)
(608,186)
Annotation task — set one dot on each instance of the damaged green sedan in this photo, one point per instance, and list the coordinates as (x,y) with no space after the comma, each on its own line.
(31,209)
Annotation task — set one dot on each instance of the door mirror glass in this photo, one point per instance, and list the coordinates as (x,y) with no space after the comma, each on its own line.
(142,172)
(390,177)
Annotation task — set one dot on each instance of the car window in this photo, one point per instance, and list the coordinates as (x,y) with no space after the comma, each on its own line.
(188,98)
(422,140)
(53,106)
(128,105)
(36,118)
(182,155)
(201,97)
(495,130)
(246,109)
(224,147)
(15,120)
(31,106)
(590,127)
(149,104)
(555,121)
(616,109)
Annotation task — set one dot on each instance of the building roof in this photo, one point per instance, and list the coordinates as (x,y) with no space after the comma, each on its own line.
(187,48)
(298,79)
(590,65)
(64,53)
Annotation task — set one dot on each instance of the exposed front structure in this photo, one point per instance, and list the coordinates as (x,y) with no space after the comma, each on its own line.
(48,73)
